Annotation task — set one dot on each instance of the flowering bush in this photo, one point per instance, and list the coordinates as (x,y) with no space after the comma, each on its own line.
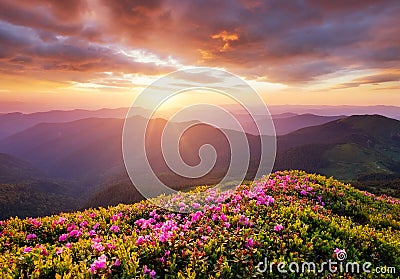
(289,216)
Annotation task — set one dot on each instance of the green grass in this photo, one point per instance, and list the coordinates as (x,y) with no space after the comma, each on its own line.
(349,161)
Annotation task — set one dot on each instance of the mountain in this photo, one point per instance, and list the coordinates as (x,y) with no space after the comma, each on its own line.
(89,149)
(288,217)
(283,115)
(363,149)
(35,199)
(11,123)
(283,123)
(78,150)
(287,125)
(326,110)
(13,169)
(348,148)
(86,154)
(28,191)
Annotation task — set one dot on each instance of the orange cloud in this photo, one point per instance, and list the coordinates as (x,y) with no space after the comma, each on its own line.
(227,38)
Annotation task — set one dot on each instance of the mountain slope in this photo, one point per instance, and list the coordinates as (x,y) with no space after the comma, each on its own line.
(80,149)
(347,148)
(288,217)
(13,169)
(290,124)
(28,191)
(11,123)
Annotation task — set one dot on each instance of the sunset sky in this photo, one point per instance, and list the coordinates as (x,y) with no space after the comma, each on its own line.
(100,53)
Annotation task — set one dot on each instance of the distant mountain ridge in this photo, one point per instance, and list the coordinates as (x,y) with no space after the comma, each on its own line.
(87,154)
(11,123)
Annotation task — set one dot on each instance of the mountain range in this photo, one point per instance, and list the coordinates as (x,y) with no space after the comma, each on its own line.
(83,158)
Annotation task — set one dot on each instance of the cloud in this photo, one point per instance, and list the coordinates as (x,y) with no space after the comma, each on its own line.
(48,16)
(286,42)
(226,38)
(371,79)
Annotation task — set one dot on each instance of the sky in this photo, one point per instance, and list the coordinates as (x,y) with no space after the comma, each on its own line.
(100,53)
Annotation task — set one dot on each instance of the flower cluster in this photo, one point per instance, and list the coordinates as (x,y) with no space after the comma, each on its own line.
(291,216)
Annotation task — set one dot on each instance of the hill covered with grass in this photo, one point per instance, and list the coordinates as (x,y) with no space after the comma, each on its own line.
(286,217)
(359,149)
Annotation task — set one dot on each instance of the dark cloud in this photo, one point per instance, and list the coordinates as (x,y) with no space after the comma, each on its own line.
(24,50)
(37,17)
(283,41)
(63,11)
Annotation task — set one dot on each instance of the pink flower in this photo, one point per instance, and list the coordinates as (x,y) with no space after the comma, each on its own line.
(182,204)
(140,240)
(110,246)
(100,263)
(223,217)
(75,233)
(43,250)
(98,247)
(163,237)
(59,250)
(154,214)
(250,243)
(303,192)
(30,236)
(27,249)
(92,215)
(278,227)
(196,216)
(114,218)
(83,224)
(96,226)
(63,237)
(96,240)
(60,220)
(195,205)
(227,225)
(35,222)
(68,245)
(337,250)
(114,229)
(146,270)
(70,227)
(117,262)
